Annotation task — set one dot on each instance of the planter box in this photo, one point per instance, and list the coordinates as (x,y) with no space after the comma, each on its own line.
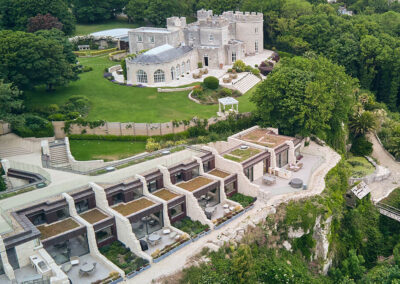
(158,259)
(205,233)
(117,281)
(133,274)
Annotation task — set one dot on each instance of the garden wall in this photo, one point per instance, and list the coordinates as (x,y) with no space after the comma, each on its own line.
(127,128)
(4,128)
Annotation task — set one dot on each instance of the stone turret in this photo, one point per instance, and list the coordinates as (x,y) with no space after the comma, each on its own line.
(203,14)
(174,23)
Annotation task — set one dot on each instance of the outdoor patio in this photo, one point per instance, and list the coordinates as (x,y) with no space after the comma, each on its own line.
(310,164)
(22,274)
(165,240)
(101,271)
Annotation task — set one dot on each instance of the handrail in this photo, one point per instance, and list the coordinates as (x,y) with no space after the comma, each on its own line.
(389,208)
(234,83)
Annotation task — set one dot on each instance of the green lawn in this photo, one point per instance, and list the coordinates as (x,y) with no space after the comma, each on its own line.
(115,103)
(85,150)
(114,24)
(393,199)
(360,166)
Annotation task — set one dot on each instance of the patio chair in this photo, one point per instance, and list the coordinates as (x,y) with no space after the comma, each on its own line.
(66,267)
(74,260)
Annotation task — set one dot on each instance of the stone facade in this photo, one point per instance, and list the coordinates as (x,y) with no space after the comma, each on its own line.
(215,41)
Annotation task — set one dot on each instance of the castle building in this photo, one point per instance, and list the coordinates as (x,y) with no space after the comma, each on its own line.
(174,51)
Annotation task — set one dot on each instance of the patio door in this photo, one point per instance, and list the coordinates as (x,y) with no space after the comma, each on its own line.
(266,165)
(12,258)
(206,60)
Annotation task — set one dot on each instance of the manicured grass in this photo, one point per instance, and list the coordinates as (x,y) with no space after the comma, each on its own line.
(360,166)
(85,150)
(115,103)
(113,24)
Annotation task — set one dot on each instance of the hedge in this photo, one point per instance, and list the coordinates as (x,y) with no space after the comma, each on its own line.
(138,138)
(94,53)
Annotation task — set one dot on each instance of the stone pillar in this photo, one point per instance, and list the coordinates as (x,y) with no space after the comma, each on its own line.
(5,164)
(291,153)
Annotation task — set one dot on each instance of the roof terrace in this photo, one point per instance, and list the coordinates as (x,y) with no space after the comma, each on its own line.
(57,228)
(241,154)
(165,194)
(265,137)
(93,216)
(134,206)
(194,184)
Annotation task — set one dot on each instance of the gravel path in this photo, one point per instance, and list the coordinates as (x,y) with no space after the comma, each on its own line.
(380,190)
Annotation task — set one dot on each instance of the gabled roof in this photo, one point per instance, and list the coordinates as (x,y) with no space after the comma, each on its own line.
(161,54)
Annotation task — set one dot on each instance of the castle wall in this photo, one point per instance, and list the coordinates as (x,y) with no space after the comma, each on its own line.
(173,38)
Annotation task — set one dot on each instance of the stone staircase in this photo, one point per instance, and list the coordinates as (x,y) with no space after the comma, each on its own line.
(246,83)
(58,156)
(13,151)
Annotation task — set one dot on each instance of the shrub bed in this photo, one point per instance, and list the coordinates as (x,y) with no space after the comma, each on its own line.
(123,257)
(193,228)
(95,52)
(242,199)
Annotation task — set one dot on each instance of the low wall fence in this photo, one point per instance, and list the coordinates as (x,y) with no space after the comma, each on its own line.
(371,178)
(127,128)
(170,90)
(4,128)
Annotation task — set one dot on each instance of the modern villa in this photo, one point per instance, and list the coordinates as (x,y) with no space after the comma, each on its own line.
(140,205)
(212,41)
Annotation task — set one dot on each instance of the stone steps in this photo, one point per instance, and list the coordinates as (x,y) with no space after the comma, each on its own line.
(58,156)
(246,83)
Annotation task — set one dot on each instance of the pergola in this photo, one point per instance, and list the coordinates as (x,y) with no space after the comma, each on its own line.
(228,101)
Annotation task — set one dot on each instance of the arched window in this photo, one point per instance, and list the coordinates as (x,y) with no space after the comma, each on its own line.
(141,76)
(188,65)
(173,73)
(178,70)
(159,76)
(183,68)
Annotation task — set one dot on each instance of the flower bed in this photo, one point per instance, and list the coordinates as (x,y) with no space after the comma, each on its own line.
(112,278)
(158,255)
(121,256)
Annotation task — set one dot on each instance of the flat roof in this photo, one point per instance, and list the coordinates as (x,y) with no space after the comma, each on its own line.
(116,33)
(75,181)
(219,173)
(57,228)
(94,215)
(133,206)
(241,153)
(152,30)
(265,137)
(194,184)
(165,194)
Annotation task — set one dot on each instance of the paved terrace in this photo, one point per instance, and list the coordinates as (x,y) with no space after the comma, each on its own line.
(264,137)
(67,182)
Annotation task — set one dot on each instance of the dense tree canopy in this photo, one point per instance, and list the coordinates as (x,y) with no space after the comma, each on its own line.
(43,22)
(31,59)
(306,96)
(10,101)
(87,11)
(14,14)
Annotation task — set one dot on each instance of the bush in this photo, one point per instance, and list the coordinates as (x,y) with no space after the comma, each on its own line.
(33,126)
(211,82)
(197,93)
(242,199)
(239,66)
(255,72)
(57,117)
(266,68)
(361,147)
(78,104)
(87,69)
(225,92)
(199,65)
(138,138)
(152,145)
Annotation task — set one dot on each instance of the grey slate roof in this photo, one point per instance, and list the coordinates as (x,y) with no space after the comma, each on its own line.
(164,56)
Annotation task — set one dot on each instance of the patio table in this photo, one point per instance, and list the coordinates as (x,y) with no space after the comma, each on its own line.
(154,237)
(166,231)
(269,179)
(86,268)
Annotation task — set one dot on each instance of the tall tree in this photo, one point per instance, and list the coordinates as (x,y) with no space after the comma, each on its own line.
(87,11)
(10,101)
(306,96)
(43,22)
(14,14)
(31,60)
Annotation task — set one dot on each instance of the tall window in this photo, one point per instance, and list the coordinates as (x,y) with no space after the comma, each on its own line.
(82,206)
(173,73)
(176,210)
(282,159)
(178,70)
(195,172)
(256,30)
(256,46)
(188,65)
(249,172)
(152,185)
(211,37)
(183,68)
(104,234)
(141,76)
(159,76)
(151,39)
(139,38)
(233,56)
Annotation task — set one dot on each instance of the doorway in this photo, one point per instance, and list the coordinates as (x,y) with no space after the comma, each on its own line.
(206,60)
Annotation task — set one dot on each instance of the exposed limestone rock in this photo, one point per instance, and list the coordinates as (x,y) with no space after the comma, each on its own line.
(287,245)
